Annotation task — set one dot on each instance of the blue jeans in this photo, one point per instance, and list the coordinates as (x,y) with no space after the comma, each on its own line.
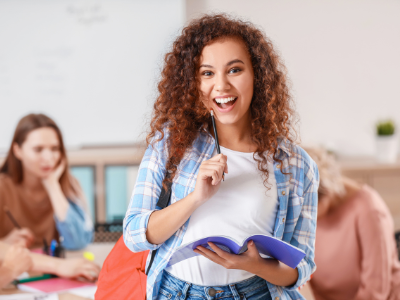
(172,288)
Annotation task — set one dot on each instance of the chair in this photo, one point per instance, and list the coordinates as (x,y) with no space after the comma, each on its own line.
(107,232)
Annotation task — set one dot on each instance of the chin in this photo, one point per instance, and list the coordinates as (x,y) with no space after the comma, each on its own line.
(227,120)
(43,175)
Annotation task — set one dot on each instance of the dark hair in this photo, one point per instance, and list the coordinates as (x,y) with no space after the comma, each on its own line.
(12,166)
(178,104)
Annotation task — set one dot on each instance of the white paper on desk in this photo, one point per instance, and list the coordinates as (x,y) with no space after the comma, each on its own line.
(30,297)
(85,291)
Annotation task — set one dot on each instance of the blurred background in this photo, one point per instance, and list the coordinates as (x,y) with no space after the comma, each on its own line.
(93,67)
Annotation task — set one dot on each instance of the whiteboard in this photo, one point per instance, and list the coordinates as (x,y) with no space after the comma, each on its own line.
(90,65)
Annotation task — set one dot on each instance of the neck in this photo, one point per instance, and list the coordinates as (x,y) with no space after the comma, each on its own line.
(236,136)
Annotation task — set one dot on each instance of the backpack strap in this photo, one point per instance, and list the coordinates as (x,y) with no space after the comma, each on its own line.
(163,202)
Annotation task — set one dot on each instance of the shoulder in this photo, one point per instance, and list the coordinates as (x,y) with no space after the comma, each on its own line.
(367,201)
(7,188)
(300,161)
(301,170)
(302,157)
(5,182)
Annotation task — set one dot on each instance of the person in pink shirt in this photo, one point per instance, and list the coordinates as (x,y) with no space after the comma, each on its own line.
(355,249)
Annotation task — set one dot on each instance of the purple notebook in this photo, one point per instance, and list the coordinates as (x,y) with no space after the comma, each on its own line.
(268,245)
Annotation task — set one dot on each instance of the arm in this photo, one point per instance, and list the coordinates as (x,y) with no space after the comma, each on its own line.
(147,228)
(58,200)
(72,222)
(272,270)
(67,268)
(16,260)
(305,229)
(76,229)
(376,244)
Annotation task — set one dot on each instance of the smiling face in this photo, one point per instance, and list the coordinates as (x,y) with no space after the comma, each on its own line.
(40,152)
(227,80)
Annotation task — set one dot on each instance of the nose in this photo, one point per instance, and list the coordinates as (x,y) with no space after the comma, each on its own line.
(47,155)
(221,83)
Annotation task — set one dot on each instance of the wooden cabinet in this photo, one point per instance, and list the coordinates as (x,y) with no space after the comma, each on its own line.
(383,178)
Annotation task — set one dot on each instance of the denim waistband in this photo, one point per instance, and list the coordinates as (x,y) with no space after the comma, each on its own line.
(172,285)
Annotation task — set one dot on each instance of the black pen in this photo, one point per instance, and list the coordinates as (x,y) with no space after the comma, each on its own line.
(8,212)
(11,217)
(216,139)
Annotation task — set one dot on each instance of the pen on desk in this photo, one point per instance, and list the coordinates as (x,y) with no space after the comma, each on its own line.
(8,212)
(216,139)
(30,279)
(53,246)
(45,246)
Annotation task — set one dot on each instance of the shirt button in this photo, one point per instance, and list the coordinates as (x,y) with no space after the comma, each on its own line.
(276,298)
(283,220)
(278,166)
(283,193)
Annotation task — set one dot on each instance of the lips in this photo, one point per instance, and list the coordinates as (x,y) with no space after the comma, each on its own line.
(225,103)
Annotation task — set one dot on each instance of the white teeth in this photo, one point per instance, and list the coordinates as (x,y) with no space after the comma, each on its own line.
(224,100)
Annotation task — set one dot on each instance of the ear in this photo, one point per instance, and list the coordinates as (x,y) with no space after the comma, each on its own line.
(17,151)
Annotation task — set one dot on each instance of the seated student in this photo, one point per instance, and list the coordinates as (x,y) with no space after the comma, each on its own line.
(14,260)
(355,251)
(38,190)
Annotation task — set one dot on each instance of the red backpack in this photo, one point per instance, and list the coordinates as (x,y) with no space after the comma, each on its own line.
(123,274)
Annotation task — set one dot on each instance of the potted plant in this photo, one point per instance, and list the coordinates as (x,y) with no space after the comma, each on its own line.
(386,141)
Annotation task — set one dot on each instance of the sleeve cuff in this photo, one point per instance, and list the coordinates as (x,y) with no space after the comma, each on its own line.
(302,278)
(136,240)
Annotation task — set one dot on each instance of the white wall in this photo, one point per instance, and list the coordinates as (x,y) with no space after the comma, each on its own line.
(343,58)
(91,65)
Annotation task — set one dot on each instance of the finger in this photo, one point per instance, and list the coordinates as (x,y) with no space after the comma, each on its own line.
(87,275)
(212,172)
(219,157)
(26,232)
(94,269)
(210,255)
(220,252)
(224,165)
(252,249)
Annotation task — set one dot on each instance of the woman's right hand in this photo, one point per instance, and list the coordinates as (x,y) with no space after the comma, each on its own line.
(209,177)
(78,267)
(20,237)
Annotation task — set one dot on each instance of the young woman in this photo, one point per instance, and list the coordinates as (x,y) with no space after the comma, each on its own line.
(270,185)
(38,190)
(355,248)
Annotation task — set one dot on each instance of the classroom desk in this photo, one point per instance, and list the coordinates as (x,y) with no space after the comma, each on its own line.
(100,251)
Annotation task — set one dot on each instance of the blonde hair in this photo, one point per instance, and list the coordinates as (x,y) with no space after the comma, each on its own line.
(331,183)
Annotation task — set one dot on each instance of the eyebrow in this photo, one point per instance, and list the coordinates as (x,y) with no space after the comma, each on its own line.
(228,64)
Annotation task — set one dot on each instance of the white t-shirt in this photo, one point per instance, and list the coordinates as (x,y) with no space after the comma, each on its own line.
(242,207)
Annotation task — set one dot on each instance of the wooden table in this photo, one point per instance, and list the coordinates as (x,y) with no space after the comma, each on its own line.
(100,251)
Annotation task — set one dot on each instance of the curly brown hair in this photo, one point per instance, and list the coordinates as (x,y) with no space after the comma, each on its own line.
(179,110)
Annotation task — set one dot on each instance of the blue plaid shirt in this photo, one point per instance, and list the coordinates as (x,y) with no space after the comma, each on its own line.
(295,220)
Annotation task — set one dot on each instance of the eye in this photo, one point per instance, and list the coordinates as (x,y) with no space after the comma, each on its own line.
(55,149)
(235,70)
(207,73)
(37,149)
